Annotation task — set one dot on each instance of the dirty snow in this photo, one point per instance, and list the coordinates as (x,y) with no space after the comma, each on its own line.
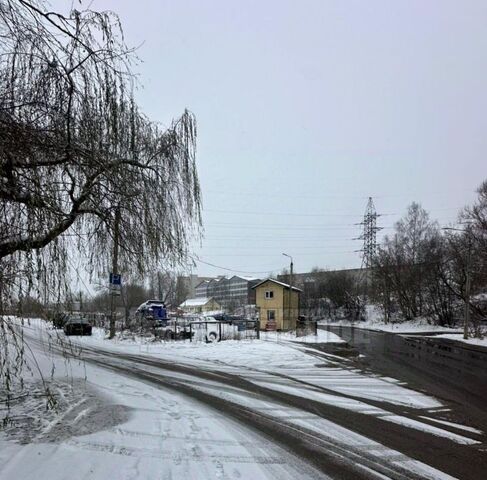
(481,342)
(163,434)
(155,434)
(419,325)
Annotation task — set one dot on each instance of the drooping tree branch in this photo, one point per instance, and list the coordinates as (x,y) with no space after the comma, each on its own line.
(74,145)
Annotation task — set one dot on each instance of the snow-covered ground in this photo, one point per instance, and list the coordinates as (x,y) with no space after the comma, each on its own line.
(375,321)
(415,327)
(158,433)
(117,427)
(412,326)
(482,342)
(321,336)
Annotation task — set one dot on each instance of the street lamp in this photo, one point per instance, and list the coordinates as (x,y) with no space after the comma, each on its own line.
(467,278)
(291,269)
(290,286)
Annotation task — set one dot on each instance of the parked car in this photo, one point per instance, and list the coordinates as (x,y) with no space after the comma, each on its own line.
(77,326)
(58,319)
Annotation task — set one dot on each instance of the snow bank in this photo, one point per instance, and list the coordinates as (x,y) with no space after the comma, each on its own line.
(322,336)
(458,337)
(419,325)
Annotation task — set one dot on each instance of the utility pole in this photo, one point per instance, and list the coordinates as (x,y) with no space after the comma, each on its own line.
(159,286)
(116,239)
(466,315)
(290,285)
(467,286)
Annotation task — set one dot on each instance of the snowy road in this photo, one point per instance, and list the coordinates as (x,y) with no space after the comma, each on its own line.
(258,410)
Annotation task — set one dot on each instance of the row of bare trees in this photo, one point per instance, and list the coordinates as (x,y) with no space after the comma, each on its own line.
(422,270)
(330,294)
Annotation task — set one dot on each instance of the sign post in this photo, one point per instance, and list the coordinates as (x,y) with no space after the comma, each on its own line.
(115,289)
(115,284)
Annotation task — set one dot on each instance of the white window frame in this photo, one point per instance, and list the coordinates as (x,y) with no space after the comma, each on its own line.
(269,294)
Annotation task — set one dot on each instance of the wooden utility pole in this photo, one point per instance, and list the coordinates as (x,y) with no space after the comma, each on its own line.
(116,239)
(467,285)
(466,318)
(290,290)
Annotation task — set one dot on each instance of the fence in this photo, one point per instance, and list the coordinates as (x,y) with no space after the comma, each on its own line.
(182,328)
(306,327)
(204,331)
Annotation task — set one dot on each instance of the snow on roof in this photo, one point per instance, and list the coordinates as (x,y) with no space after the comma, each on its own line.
(244,277)
(285,285)
(196,302)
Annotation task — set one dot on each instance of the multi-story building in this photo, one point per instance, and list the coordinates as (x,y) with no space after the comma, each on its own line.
(190,282)
(239,291)
(201,290)
(229,292)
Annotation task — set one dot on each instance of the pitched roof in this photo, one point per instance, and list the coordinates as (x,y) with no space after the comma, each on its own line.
(285,285)
(196,302)
(202,282)
(243,277)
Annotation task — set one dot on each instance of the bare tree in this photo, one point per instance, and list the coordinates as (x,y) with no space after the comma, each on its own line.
(466,259)
(181,291)
(79,160)
(164,284)
(404,264)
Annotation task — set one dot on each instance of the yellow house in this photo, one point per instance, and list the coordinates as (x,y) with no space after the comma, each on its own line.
(200,305)
(278,305)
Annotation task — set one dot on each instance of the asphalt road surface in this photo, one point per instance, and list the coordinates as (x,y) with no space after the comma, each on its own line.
(334,457)
(455,374)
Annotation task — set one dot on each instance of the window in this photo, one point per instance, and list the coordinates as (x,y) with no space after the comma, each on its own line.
(271,315)
(269,294)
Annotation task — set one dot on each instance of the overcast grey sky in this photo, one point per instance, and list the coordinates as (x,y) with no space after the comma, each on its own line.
(306,108)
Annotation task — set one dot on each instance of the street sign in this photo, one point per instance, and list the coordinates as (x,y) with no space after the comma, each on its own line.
(115,283)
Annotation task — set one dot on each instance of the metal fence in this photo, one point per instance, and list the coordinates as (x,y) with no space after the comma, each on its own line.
(206,331)
(306,327)
(183,328)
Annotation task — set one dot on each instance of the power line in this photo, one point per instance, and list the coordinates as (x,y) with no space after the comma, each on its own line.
(268,255)
(294,214)
(287,214)
(361,197)
(231,269)
(283,227)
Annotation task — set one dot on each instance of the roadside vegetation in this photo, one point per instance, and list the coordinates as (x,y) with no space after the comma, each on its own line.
(420,271)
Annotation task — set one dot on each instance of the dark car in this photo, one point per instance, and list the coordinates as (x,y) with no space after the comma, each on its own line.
(77,326)
(58,319)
